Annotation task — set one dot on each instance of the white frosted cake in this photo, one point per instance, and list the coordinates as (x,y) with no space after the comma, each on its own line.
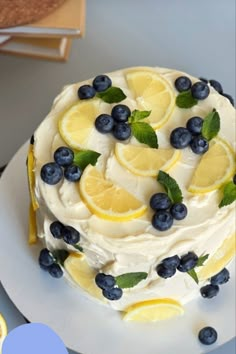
(140,196)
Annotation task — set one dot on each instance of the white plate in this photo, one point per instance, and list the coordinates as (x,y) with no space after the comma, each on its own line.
(83,325)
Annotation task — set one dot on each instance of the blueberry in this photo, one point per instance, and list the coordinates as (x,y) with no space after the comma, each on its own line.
(199,145)
(179,211)
(230,98)
(234,179)
(220,278)
(105,281)
(162,220)
(183,83)
(200,90)
(180,138)
(160,201)
(72,173)
(71,235)
(203,79)
(120,113)
(207,335)
(32,140)
(104,123)
(121,131)
(216,85)
(188,262)
(209,291)
(46,258)
(113,293)
(56,229)
(86,91)
(172,261)
(165,272)
(64,156)
(194,125)
(55,270)
(101,83)
(51,173)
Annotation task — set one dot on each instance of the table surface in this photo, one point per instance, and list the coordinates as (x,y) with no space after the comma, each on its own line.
(194,36)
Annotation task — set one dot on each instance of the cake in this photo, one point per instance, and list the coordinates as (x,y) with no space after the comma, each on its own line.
(132,189)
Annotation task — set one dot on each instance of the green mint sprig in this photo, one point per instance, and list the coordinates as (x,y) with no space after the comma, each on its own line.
(200,263)
(60,256)
(78,247)
(211,125)
(137,115)
(171,186)
(112,95)
(85,157)
(185,100)
(129,280)
(229,194)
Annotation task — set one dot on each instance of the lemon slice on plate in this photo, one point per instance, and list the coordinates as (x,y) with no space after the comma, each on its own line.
(219,259)
(153,93)
(145,161)
(77,123)
(153,310)
(32,237)
(31,177)
(3,330)
(107,200)
(82,274)
(215,168)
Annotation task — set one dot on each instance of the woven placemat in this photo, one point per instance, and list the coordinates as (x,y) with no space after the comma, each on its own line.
(21,12)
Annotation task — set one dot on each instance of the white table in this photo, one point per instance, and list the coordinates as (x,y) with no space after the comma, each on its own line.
(195,36)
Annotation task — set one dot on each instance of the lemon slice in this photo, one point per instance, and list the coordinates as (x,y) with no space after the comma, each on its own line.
(32,237)
(31,177)
(77,123)
(215,168)
(145,161)
(107,200)
(153,310)
(219,259)
(152,92)
(82,274)
(3,331)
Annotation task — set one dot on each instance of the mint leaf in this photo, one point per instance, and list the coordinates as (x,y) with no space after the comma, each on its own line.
(85,157)
(145,134)
(112,95)
(211,125)
(78,247)
(229,194)
(128,280)
(200,263)
(137,115)
(201,260)
(193,274)
(185,100)
(171,186)
(60,256)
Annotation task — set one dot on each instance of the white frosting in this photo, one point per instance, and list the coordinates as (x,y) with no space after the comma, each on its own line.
(121,247)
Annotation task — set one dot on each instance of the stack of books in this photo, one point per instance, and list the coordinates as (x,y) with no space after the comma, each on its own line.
(49,38)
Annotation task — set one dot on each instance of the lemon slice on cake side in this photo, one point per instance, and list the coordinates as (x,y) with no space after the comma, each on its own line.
(153,310)
(152,93)
(215,168)
(3,330)
(107,200)
(31,177)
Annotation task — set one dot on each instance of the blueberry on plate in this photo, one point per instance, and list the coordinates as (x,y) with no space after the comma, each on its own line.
(51,173)
(71,235)
(55,270)
(105,281)
(183,83)
(220,278)
(200,90)
(104,123)
(86,92)
(199,145)
(207,335)
(162,220)
(56,229)
(180,138)
(160,201)
(179,211)
(188,262)
(172,261)
(194,125)
(121,113)
(209,291)
(165,272)
(230,98)
(72,173)
(46,258)
(113,293)
(121,131)
(101,83)
(64,156)
(216,85)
